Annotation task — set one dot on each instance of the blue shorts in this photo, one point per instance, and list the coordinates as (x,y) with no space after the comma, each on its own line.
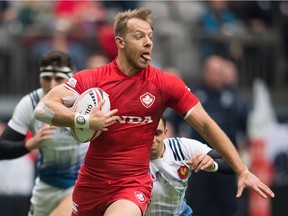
(187,211)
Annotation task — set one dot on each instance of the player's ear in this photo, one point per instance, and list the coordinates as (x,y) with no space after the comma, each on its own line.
(165,131)
(119,41)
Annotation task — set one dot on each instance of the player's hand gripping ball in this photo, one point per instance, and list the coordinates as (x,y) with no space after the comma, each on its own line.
(83,105)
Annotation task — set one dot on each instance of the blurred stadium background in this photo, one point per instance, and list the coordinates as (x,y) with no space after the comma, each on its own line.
(254,37)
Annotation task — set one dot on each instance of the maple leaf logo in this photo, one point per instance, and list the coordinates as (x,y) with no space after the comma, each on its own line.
(140,196)
(147,99)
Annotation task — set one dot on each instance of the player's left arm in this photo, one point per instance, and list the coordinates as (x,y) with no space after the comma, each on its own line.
(210,162)
(212,133)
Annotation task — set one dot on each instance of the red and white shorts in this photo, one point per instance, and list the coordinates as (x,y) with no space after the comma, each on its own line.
(93,199)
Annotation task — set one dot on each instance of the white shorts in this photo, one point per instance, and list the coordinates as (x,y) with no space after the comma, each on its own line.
(45,198)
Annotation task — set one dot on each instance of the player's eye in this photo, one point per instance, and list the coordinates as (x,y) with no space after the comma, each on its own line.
(49,78)
(159,132)
(46,78)
(138,36)
(59,79)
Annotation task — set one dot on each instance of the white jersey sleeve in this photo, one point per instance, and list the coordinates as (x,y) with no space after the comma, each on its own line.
(59,157)
(171,174)
(191,147)
(23,112)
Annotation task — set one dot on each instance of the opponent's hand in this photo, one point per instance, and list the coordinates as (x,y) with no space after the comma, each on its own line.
(249,180)
(44,133)
(99,120)
(201,162)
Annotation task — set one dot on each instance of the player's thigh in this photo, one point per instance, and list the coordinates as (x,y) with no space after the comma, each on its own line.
(64,208)
(123,207)
(43,200)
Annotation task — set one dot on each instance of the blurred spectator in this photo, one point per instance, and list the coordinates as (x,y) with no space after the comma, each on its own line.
(35,17)
(220,19)
(262,20)
(106,29)
(95,60)
(121,5)
(7,13)
(217,16)
(7,20)
(106,40)
(175,25)
(72,24)
(258,16)
(242,105)
(227,108)
(75,22)
(78,17)
(230,75)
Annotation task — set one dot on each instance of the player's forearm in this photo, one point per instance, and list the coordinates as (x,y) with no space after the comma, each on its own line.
(219,141)
(210,131)
(12,149)
(54,113)
(64,117)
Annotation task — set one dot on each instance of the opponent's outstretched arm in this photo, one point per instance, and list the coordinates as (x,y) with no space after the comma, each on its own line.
(210,162)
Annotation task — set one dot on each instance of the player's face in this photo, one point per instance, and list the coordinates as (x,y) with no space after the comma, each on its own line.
(138,43)
(49,82)
(157,149)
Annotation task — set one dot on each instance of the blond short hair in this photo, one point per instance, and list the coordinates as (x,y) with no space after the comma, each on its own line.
(120,21)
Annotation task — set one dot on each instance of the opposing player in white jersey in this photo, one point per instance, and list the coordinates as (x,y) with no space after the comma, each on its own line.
(171,163)
(60,156)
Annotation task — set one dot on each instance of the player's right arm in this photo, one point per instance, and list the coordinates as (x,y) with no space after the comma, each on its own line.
(14,144)
(52,110)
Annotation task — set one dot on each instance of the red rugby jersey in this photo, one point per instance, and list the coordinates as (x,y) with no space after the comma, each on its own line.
(141,100)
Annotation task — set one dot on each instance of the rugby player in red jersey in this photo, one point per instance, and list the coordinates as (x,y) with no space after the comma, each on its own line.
(115,179)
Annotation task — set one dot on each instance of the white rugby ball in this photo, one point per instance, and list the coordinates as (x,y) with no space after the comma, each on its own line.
(83,105)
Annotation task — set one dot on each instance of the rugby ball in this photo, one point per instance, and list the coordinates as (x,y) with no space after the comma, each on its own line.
(83,105)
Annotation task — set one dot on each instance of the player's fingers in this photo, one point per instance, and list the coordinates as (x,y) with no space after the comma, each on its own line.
(111,113)
(110,122)
(266,190)
(97,107)
(47,137)
(51,129)
(260,192)
(199,163)
(240,190)
(208,164)
(101,103)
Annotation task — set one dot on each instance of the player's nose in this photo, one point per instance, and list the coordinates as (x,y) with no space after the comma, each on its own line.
(53,83)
